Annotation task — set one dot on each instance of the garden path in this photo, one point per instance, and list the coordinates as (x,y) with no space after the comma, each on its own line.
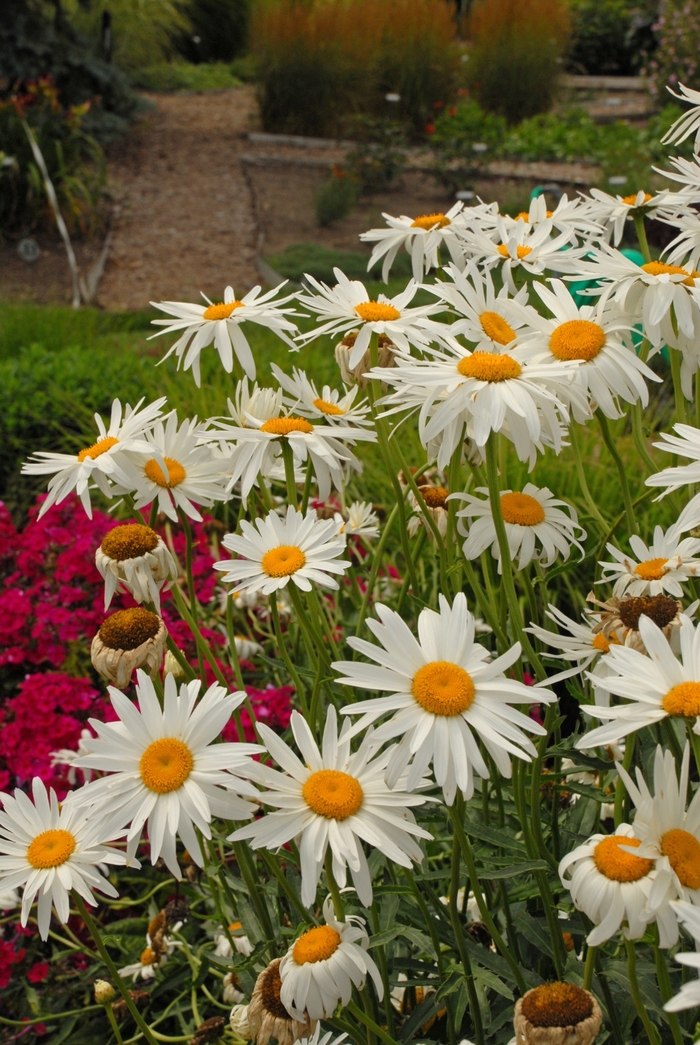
(184,221)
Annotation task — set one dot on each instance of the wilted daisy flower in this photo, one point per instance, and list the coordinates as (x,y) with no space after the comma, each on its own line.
(348,306)
(50,848)
(134,558)
(299,547)
(127,640)
(614,211)
(689,995)
(580,647)
(610,885)
(686,443)
(591,334)
(434,498)
(669,835)
(483,317)
(520,245)
(158,949)
(221,324)
(557,1014)
(266,1017)
(356,374)
(320,969)
(662,566)
(444,692)
(102,462)
(655,686)
(232,993)
(304,398)
(531,516)
(162,767)
(422,237)
(618,619)
(689,121)
(333,800)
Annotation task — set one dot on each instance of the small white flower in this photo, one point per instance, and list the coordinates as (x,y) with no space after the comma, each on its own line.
(241,942)
(580,647)
(422,237)
(484,318)
(239,1021)
(360,520)
(329,404)
(573,216)
(662,566)
(521,245)
(232,994)
(320,969)
(614,211)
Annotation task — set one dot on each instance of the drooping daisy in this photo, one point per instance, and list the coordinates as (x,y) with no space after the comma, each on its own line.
(422,237)
(348,306)
(669,835)
(335,408)
(299,547)
(359,520)
(434,497)
(232,993)
(663,566)
(580,647)
(333,800)
(689,995)
(689,121)
(221,324)
(445,692)
(154,955)
(266,1016)
(530,516)
(236,938)
(127,640)
(320,969)
(521,245)
(613,211)
(162,768)
(655,686)
(134,558)
(618,619)
(483,317)
(50,848)
(101,463)
(610,885)
(686,443)
(609,369)
(557,1013)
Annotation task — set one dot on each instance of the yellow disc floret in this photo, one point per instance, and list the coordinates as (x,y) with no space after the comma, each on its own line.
(683,700)
(328,408)
(631,200)
(522,251)
(617,865)
(51,848)
(577,339)
(176,473)
(651,569)
(488,366)
(497,328)
(557,1005)
(377,312)
(658,268)
(129,629)
(148,956)
(98,448)
(129,542)
(221,311)
(431,221)
(283,561)
(316,945)
(683,852)
(286,425)
(521,509)
(165,765)
(443,688)
(333,794)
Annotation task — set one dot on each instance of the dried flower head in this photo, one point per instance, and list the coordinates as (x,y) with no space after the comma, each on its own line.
(557,1014)
(619,619)
(128,639)
(355,375)
(267,1016)
(134,558)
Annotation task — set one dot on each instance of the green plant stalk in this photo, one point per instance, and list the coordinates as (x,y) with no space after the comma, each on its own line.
(589,967)
(202,646)
(664,981)
(293,674)
(430,925)
(383,972)
(425,511)
(338,904)
(624,485)
(461,946)
(271,864)
(678,397)
(582,481)
(620,790)
(641,231)
(288,457)
(376,563)
(113,972)
(651,1031)
(369,1023)
(253,883)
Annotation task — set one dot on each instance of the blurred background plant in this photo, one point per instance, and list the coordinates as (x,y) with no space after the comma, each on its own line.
(218,31)
(464,139)
(142,31)
(676,58)
(609,36)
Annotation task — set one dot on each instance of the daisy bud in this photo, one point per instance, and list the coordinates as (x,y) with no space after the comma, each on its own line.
(355,375)
(239,1022)
(135,558)
(127,640)
(557,1014)
(104,992)
(172,666)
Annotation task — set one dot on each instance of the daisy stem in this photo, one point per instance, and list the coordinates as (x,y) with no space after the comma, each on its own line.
(383,972)
(620,790)
(506,564)
(610,443)
(430,924)
(664,981)
(589,967)
(651,1031)
(425,511)
(638,433)
(338,904)
(694,743)
(582,481)
(486,605)
(369,1023)
(294,900)
(376,563)
(474,1008)
(202,646)
(642,235)
(307,487)
(106,958)
(301,692)
(255,892)
(678,397)
(233,652)
(290,479)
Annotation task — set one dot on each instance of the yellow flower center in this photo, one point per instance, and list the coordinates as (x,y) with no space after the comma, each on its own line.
(148,956)
(496,327)
(129,542)
(524,215)
(521,509)
(603,643)
(98,448)
(328,408)
(176,473)
(487,366)
(443,688)
(658,268)
(234,927)
(285,425)
(577,339)
(683,700)
(165,765)
(434,496)
(683,852)
(333,794)
(221,311)
(557,1005)
(316,945)
(631,200)
(617,865)
(283,561)
(522,251)
(430,221)
(50,848)
(129,629)
(651,569)
(377,312)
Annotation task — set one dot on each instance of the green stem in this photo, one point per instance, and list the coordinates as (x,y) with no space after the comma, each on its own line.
(589,967)
(461,946)
(288,457)
(642,235)
(301,692)
(113,972)
(622,474)
(678,397)
(202,646)
(294,900)
(376,563)
(333,889)
(640,1005)
(254,886)
(620,789)
(582,481)
(369,1023)
(664,981)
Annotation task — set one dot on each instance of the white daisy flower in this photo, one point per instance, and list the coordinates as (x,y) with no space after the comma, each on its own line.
(434,499)
(532,515)
(316,1039)
(299,547)
(686,443)
(610,885)
(134,558)
(483,317)
(333,800)
(445,693)
(359,520)
(329,404)
(221,324)
(266,1016)
(151,958)
(422,237)
(245,647)
(348,306)
(320,968)
(689,995)
(520,245)
(232,993)
(662,566)
(580,647)
(163,768)
(689,122)
(613,211)
(102,462)
(669,835)
(687,174)
(655,686)
(50,848)
(684,250)
(609,369)
(573,216)
(241,943)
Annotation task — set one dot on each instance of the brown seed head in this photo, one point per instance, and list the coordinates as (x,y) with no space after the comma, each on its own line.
(557,1005)
(129,542)
(660,608)
(129,629)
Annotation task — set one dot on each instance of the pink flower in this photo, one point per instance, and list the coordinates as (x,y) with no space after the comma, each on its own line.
(38,972)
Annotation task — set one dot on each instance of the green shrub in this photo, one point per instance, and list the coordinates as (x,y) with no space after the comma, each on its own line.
(457,131)
(142,30)
(606,36)
(677,56)
(336,198)
(183,76)
(219,30)
(379,156)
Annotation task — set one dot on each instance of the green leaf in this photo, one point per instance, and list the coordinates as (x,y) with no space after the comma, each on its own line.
(514,869)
